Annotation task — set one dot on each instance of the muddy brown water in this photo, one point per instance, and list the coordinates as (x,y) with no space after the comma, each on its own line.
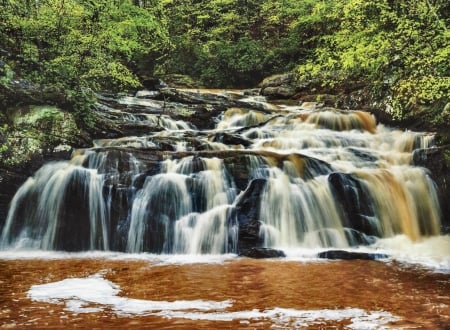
(419,297)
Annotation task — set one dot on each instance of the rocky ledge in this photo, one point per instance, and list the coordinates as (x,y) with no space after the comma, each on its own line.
(347,255)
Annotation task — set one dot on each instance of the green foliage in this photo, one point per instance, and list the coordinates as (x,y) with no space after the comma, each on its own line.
(81,43)
(235,43)
(231,64)
(81,103)
(401,46)
(6,74)
(79,46)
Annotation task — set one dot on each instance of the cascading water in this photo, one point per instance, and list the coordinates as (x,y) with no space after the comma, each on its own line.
(284,177)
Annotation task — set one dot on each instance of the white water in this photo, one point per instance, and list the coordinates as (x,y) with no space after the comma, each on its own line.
(430,253)
(187,207)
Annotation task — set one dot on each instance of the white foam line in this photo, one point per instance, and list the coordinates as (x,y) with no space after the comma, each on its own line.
(94,293)
(79,292)
(156,259)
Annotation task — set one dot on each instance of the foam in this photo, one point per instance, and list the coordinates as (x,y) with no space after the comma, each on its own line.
(94,294)
(155,259)
(432,252)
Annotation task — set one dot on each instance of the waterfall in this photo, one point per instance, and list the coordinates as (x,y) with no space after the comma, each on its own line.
(270,176)
(61,207)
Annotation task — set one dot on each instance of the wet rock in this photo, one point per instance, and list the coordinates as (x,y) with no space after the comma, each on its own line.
(196,97)
(347,255)
(437,161)
(252,92)
(247,213)
(231,139)
(10,181)
(355,238)
(74,226)
(262,253)
(355,203)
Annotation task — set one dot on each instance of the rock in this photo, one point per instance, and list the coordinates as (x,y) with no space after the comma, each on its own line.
(355,203)
(247,214)
(22,92)
(231,139)
(355,238)
(437,161)
(252,92)
(277,80)
(283,92)
(196,97)
(278,86)
(153,84)
(262,253)
(347,255)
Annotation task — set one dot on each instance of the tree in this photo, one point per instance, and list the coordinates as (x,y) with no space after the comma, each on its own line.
(82,43)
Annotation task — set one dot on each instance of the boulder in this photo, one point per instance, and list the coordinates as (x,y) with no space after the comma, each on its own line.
(278,86)
(279,92)
(284,79)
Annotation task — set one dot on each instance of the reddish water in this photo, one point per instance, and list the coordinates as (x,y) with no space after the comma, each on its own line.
(421,299)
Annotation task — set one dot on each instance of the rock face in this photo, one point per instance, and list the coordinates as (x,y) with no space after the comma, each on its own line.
(248,215)
(355,204)
(437,161)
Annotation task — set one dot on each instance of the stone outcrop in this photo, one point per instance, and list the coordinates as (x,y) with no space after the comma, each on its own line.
(347,255)
(22,92)
(262,253)
(278,86)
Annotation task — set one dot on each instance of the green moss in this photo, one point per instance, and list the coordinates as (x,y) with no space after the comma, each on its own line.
(35,130)
(36,114)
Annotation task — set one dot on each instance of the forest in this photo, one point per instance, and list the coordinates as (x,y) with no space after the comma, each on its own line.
(396,50)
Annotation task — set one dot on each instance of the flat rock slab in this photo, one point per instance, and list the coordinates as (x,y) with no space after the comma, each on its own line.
(346,255)
(262,253)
